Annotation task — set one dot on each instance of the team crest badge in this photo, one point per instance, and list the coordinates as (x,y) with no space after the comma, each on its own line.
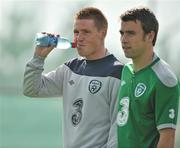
(95,86)
(140,89)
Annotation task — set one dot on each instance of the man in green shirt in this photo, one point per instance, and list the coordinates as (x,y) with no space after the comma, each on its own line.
(149,92)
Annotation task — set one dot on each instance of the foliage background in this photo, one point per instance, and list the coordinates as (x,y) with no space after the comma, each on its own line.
(35,123)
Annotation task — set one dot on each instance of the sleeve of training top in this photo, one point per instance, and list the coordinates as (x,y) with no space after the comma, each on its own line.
(37,84)
(113,92)
(166,106)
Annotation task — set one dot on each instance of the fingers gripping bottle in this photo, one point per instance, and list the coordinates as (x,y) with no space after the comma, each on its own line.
(46,40)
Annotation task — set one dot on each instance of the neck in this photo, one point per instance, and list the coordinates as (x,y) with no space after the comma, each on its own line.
(98,55)
(142,61)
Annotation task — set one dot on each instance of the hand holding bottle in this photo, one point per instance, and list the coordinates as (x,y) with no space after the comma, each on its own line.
(45,42)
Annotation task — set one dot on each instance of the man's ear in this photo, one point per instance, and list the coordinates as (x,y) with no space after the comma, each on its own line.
(104,32)
(150,36)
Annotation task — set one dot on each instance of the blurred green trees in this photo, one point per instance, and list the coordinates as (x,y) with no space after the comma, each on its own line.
(20,20)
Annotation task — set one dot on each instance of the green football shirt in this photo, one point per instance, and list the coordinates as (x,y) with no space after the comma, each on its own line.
(148,102)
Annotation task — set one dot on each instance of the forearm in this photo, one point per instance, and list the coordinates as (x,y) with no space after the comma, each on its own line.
(167,137)
(32,77)
(37,84)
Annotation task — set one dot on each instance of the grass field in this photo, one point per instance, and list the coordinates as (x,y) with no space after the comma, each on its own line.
(30,123)
(35,123)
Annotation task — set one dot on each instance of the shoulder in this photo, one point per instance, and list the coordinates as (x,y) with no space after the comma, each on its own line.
(115,62)
(127,68)
(114,66)
(165,74)
(104,67)
(75,62)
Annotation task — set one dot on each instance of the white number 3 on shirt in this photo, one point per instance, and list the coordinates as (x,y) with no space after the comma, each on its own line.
(123,114)
(171,113)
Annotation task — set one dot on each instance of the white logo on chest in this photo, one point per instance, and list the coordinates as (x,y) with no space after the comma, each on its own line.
(140,89)
(123,82)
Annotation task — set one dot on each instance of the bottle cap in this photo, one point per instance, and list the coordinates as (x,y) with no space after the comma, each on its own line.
(73,44)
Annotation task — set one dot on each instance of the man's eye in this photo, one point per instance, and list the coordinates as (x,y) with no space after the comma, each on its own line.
(86,31)
(130,32)
(121,33)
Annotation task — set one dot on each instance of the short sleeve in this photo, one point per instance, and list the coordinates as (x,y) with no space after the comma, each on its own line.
(166,106)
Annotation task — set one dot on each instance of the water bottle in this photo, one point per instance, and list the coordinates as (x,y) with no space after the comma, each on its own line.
(45,40)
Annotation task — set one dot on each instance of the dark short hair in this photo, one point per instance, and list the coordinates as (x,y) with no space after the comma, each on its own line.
(94,14)
(145,16)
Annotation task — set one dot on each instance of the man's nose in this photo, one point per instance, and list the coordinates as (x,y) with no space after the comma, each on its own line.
(123,38)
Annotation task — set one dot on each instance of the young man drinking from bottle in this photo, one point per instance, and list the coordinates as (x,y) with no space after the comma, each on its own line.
(88,85)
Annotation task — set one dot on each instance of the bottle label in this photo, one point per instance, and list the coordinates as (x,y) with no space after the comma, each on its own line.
(45,40)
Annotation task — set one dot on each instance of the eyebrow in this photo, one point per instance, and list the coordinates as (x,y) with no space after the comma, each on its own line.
(128,31)
(82,30)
